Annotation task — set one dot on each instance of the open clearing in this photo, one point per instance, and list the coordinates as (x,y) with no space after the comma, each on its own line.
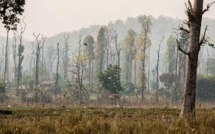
(93,120)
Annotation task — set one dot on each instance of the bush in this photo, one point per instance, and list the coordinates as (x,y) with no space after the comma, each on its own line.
(206,89)
(3,95)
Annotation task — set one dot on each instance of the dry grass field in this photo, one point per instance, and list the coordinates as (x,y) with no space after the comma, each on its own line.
(93,120)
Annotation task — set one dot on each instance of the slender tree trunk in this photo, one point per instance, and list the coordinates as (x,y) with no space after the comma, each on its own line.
(15,59)
(37,68)
(135,73)
(144,66)
(57,68)
(157,69)
(149,71)
(80,73)
(189,100)
(177,77)
(18,74)
(6,61)
(157,78)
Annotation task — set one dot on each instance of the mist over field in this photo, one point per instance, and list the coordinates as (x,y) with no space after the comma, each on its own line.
(115,66)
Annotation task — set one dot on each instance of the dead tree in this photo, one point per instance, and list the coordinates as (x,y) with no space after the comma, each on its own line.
(2,60)
(117,47)
(14,49)
(194,12)
(57,68)
(6,60)
(20,56)
(157,69)
(39,45)
(149,66)
(78,71)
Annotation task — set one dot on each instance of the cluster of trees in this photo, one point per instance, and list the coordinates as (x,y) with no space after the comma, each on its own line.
(9,15)
(106,64)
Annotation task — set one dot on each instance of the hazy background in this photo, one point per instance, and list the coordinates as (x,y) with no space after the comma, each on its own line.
(51,17)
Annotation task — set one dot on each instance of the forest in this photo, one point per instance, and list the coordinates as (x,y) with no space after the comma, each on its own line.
(144,74)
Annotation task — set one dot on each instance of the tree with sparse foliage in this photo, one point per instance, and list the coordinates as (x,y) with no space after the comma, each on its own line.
(194,12)
(89,43)
(143,42)
(171,54)
(20,55)
(128,48)
(101,40)
(9,15)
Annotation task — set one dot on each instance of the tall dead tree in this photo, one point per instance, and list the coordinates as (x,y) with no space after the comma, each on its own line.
(2,61)
(20,56)
(57,68)
(118,49)
(157,68)
(194,12)
(14,49)
(80,66)
(39,45)
(6,77)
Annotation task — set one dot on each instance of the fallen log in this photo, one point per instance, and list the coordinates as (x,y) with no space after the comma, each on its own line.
(6,112)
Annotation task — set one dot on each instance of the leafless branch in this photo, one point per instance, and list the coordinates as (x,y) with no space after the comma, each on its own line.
(159,45)
(43,42)
(180,48)
(184,29)
(189,11)
(203,39)
(208,7)
(186,22)
(36,36)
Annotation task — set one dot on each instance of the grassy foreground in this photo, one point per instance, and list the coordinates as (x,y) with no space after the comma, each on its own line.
(106,121)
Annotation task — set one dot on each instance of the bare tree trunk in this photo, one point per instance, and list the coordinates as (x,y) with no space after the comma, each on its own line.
(56,82)
(14,47)
(37,69)
(80,72)
(19,73)
(149,71)
(157,70)
(20,56)
(143,77)
(2,61)
(39,46)
(195,13)
(6,61)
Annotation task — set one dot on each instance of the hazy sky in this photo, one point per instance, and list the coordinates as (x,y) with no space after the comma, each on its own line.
(51,17)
